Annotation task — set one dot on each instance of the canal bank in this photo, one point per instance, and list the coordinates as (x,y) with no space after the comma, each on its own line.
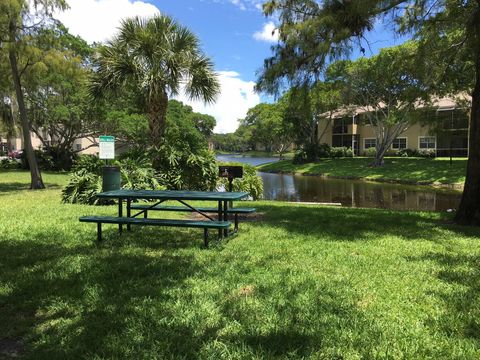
(377,192)
(438,172)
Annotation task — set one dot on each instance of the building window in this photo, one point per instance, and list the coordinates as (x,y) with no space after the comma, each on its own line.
(78,147)
(369,143)
(340,126)
(427,142)
(453,119)
(399,143)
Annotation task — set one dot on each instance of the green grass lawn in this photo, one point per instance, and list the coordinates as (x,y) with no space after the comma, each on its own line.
(300,282)
(406,170)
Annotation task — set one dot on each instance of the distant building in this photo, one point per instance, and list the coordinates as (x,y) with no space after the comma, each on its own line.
(82,145)
(443,127)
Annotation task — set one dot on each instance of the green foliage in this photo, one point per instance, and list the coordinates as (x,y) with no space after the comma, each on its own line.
(84,182)
(239,141)
(9,164)
(300,157)
(340,152)
(204,123)
(268,128)
(183,132)
(127,63)
(322,151)
(251,182)
(44,159)
(86,179)
(183,170)
(82,188)
(426,153)
(370,152)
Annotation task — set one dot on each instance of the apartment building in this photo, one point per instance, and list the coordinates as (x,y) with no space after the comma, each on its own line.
(13,144)
(442,127)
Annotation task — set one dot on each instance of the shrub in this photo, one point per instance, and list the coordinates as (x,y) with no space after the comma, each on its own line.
(427,153)
(392,153)
(370,152)
(138,174)
(251,182)
(300,157)
(44,160)
(9,163)
(82,188)
(338,152)
(51,159)
(183,170)
(86,180)
(324,151)
(408,153)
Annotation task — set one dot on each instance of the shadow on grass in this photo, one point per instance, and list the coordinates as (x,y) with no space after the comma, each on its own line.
(77,301)
(9,187)
(297,327)
(132,296)
(461,273)
(349,224)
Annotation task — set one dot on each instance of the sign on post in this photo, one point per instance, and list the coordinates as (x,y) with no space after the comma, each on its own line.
(107,147)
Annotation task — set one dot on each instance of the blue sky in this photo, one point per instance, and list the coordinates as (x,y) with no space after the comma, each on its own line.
(226,32)
(234,33)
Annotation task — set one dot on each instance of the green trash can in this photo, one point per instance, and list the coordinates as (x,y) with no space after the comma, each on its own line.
(111,178)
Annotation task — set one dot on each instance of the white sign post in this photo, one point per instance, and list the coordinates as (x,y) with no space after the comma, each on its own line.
(107,147)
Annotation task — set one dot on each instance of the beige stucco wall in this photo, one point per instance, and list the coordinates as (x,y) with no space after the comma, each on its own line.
(17,144)
(412,134)
(325,131)
(84,144)
(366,132)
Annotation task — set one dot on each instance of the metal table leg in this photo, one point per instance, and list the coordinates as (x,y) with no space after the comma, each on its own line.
(220,218)
(120,213)
(129,201)
(225,216)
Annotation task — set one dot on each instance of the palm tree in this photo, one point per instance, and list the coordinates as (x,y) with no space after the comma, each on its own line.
(156,57)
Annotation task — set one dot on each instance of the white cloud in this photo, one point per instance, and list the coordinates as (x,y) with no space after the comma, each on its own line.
(98,20)
(238,3)
(269,33)
(236,97)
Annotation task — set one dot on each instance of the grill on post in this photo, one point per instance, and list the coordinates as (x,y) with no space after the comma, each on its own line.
(230,172)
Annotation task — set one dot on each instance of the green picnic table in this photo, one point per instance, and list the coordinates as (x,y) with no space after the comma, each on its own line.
(183,197)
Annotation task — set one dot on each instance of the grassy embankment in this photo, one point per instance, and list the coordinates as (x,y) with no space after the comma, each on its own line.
(300,282)
(255,153)
(402,170)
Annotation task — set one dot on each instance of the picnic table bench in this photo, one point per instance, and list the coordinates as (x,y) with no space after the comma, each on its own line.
(235,211)
(221,224)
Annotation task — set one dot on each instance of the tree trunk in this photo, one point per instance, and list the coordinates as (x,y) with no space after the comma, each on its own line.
(157,116)
(36,177)
(379,155)
(469,210)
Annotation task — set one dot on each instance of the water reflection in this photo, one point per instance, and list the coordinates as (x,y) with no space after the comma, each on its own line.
(353,193)
(246,159)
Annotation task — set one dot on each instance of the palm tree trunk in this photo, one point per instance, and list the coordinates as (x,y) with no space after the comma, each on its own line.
(36,177)
(157,116)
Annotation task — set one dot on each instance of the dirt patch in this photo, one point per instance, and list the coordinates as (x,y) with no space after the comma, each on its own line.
(11,348)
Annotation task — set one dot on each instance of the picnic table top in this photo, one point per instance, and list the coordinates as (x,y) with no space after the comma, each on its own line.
(174,195)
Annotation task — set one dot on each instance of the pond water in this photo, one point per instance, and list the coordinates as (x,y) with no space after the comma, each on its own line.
(351,193)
